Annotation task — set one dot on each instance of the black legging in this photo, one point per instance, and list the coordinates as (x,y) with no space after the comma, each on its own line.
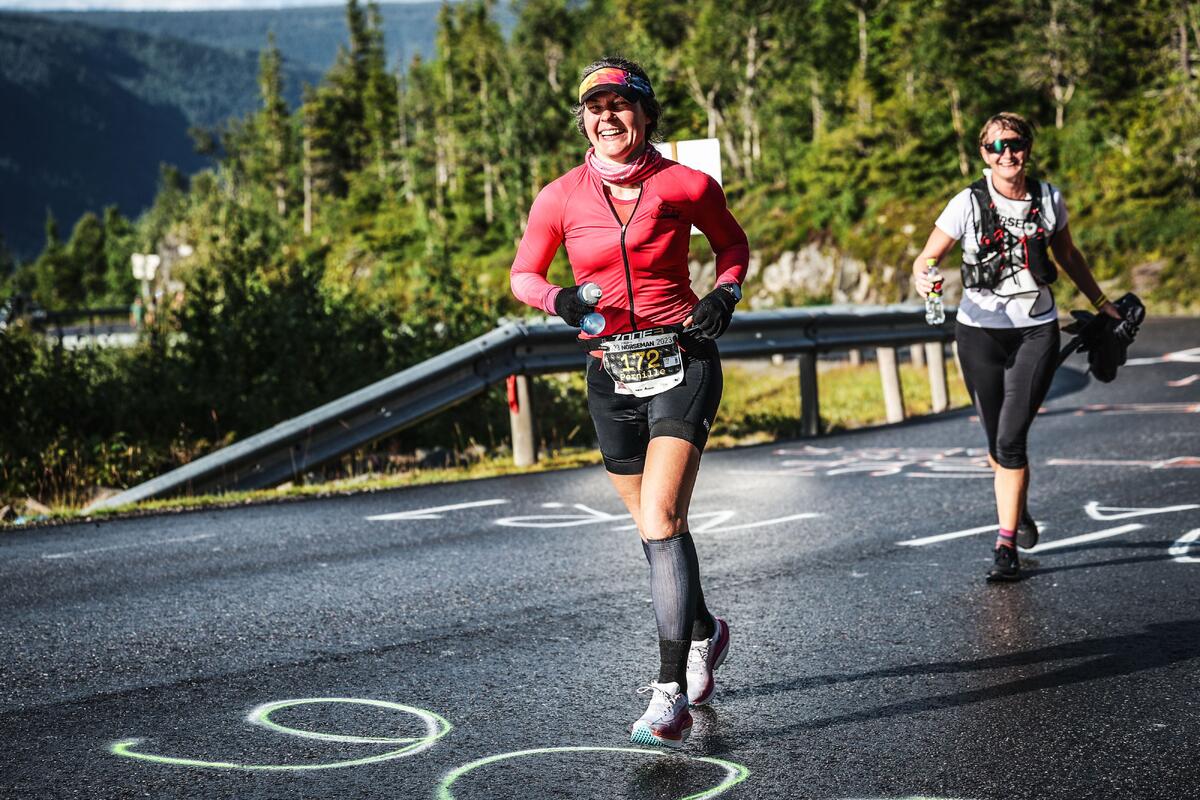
(1008,372)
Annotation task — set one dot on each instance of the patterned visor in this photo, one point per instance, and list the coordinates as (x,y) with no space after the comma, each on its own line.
(615,79)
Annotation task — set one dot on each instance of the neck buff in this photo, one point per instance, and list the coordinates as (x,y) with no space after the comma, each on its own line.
(635,171)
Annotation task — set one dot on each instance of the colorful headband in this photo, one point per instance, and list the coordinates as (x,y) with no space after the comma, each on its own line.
(631,87)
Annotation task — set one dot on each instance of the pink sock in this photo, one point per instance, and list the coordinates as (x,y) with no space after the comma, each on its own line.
(1006,538)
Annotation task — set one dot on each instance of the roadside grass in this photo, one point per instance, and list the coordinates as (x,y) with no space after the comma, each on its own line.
(760,404)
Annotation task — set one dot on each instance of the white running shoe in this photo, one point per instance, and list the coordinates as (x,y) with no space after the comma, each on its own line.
(667,722)
(704,657)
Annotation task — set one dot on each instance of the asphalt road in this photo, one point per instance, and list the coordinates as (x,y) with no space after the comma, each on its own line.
(155,657)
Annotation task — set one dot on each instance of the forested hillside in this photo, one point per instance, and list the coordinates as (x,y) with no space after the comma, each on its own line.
(90,114)
(308,36)
(373,225)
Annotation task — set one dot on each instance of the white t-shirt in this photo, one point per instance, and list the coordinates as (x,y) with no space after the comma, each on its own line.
(1017,302)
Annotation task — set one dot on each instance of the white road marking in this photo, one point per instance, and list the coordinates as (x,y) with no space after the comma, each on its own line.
(776,521)
(433,513)
(1087,537)
(987,474)
(1178,462)
(588,517)
(1105,513)
(718,518)
(715,518)
(1188,381)
(944,537)
(1190,356)
(73,553)
(1180,549)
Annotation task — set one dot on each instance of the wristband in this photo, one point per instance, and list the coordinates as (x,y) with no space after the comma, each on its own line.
(1099,302)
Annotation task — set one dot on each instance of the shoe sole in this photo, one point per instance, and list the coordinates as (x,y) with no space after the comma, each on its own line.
(642,734)
(999,577)
(706,699)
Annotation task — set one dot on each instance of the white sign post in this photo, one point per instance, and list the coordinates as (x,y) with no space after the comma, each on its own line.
(144,268)
(699,154)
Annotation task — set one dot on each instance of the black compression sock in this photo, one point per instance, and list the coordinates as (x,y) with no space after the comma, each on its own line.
(673,584)
(703,624)
(672,661)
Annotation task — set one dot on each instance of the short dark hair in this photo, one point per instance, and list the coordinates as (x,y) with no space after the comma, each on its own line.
(650,105)
(1008,121)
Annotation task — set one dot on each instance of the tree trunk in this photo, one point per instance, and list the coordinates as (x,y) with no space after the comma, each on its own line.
(964,164)
(489,208)
(748,121)
(308,187)
(818,110)
(864,95)
(554,56)
(706,100)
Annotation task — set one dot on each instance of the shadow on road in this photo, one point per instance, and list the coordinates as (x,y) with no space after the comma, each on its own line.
(1160,645)
(1031,565)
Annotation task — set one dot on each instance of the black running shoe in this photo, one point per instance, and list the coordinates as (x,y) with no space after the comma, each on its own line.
(1006,567)
(1027,531)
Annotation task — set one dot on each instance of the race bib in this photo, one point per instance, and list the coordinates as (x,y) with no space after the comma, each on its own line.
(644,363)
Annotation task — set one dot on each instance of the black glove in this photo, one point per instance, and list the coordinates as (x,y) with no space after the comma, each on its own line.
(568,306)
(711,315)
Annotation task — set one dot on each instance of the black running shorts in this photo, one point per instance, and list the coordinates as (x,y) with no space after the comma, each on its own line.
(1008,372)
(625,424)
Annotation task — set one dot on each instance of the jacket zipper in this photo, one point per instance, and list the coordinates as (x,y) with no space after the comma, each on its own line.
(624,252)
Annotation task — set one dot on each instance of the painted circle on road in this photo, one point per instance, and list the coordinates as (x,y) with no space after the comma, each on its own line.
(734,773)
(435,728)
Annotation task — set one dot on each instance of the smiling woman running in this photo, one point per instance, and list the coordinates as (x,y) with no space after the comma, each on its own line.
(1007,325)
(654,374)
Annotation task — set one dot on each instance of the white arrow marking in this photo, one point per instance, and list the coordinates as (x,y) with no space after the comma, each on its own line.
(1087,537)
(1182,545)
(714,518)
(1105,513)
(433,513)
(589,516)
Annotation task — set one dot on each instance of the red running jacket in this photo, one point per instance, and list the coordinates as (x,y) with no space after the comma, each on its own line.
(642,268)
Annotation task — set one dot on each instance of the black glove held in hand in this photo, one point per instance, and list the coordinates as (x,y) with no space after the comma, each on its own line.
(568,306)
(711,315)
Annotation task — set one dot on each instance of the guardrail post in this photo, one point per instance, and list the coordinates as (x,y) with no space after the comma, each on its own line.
(855,357)
(520,417)
(889,376)
(810,407)
(935,356)
(917,355)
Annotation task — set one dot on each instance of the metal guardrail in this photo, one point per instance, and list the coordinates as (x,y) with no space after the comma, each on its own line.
(295,446)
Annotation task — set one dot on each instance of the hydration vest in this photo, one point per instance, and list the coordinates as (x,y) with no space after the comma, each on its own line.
(996,244)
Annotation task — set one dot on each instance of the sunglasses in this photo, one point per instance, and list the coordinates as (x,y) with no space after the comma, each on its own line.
(1017,145)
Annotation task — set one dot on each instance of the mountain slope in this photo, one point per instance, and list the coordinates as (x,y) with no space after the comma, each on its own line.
(91,113)
(308,36)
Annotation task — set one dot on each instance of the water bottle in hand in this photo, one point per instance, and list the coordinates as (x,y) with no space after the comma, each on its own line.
(935,312)
(589,294)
